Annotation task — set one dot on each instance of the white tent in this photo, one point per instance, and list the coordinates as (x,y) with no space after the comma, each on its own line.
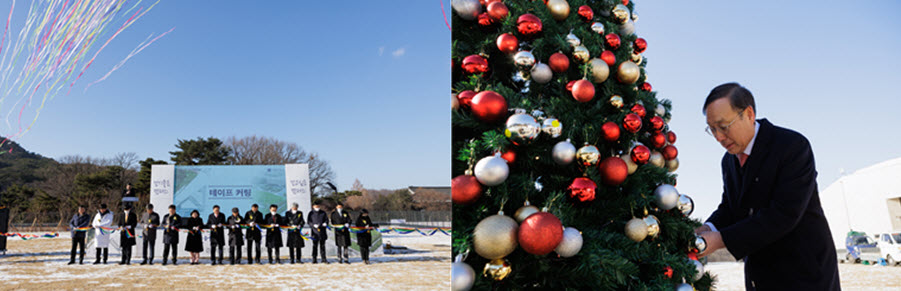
(868,200)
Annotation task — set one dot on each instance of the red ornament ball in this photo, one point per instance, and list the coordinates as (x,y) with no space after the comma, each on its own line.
(640,154)
(540,233)
(613,40)
(658,140)
(585,13)
(558,62)
(582,189)
(646,87)
(613,171)
(668,271)
(625,2)
(489,106)
(569,86)
(475,64)
(583,90)
(509,156)
(610,131)
(639,109)
(485,19)
(632,122)
(465,189)
(608,58)
(507,43)
(639,45)
(528,25)
(657,123)
(497,10)
(671,137)
(465,98)
(670,152)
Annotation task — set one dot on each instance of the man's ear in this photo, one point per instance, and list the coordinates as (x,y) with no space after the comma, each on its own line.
(751,113)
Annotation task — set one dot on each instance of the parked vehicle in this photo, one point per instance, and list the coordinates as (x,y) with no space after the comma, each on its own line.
(889,245)
(860,247)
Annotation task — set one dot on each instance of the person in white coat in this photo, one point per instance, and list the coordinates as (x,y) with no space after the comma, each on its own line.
(104,218)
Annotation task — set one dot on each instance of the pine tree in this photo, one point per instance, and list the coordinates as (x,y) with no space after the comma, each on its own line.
(500,48)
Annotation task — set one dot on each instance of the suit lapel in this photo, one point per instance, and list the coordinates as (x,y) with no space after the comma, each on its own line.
(758,155)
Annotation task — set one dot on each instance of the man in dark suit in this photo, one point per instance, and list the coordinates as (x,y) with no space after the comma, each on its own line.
(151,221)
(235,237)
(79,220)
(770,213)
(341,222)
(274,233)
(127,223)
(294,218)
(171,223)
(254,219)
(217,234)
(318,221)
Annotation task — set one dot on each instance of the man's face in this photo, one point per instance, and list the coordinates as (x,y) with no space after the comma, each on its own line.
(735,137)
(254,208)
(171,211)
(294,208)
(128,186)
(80,210)
(339,207)
(216,210)
(316,208)
(272,209)
(149,211)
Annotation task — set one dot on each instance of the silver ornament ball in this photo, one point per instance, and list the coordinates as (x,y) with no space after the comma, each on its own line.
(542,73)
(684,287)
(524,60)
(700,268)
(564,152)
(627,28)
(653,225)
(581,53)
(573,40)
(467,9)
(492,171)
(700,244)
(522,128)
(666,196)
(686,204)
(552,127)
(462,276)
(598,27)
(571,243)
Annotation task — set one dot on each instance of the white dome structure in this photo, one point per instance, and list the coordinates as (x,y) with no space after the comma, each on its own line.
(868,200)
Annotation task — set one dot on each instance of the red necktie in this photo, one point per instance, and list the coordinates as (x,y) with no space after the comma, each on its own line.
(742,158)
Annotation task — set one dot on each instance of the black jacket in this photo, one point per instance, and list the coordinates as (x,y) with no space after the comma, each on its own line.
(216,225)
(194,241)
(150,221)
(79,221)
(235,237)
(364,239)
(770,215)
(274,232)
(254,232)
(294,219)
(342,235)
(171,224)
(128,223)
(318,221)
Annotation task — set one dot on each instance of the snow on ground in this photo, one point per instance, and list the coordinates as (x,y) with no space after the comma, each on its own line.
(731,276)
(41,264)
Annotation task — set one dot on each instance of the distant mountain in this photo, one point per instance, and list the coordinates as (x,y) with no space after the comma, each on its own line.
(19,166)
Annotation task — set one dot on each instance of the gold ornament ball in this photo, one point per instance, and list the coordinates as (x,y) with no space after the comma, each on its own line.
(581,53)
(455,104)
(628,72)
(637,58)
(588,155)
(632,166)
(672,165)
(653,225)
(617,101)
(599,70)
(621,13)
(657,159)
(559,9)
(524,212)
(497,269)
(495,236)
(636,229)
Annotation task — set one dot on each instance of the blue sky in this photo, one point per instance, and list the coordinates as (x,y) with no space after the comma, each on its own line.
(363,84)
(827,69)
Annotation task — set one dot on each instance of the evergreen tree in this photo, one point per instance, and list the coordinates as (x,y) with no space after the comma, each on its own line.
(535,81)
(209,151)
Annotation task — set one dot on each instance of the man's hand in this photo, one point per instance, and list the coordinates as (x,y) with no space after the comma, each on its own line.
(702,229)
(714,242)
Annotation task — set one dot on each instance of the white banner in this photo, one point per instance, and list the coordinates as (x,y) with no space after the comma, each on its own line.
(297,184)
(162,187)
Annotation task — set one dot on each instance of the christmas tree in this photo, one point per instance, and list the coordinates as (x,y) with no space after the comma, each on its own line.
(563,162)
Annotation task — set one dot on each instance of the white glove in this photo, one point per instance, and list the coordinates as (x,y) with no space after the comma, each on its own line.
(315,226)
(128,226)
(347,225)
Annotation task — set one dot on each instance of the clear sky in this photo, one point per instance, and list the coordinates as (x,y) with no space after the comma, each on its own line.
(827,69)
(365,84)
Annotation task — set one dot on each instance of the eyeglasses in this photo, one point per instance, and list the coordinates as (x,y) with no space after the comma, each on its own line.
(713,130)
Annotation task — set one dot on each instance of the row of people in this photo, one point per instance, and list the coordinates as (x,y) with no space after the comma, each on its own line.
(217,224)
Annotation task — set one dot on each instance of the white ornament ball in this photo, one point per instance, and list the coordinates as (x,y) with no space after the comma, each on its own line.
(666,196)
(542,73)
(571,243)
(684,287)
(564,152)
(462,276)
(492,171)
(627,28)
(660,110)
(467,9)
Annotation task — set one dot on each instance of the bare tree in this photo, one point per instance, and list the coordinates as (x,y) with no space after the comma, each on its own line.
(128,161)
(258,150)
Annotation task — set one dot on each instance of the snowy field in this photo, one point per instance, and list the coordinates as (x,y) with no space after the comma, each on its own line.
(731,276)
(41,264)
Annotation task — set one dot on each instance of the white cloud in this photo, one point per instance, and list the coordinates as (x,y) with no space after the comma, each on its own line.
(381,50)
(399,52)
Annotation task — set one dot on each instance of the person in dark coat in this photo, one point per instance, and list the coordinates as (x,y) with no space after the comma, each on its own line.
(294,218)
(341,220)
(79,220)
(172,222)
(127,223)
(128,192)
(151,221)
(364,239)
(235,236)
(254,219)
(770,214)
(215,223)
(318,221)
(273,233)
(195,236)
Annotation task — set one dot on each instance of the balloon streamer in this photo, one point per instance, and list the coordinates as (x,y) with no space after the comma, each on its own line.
(306,235)
(51,47)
